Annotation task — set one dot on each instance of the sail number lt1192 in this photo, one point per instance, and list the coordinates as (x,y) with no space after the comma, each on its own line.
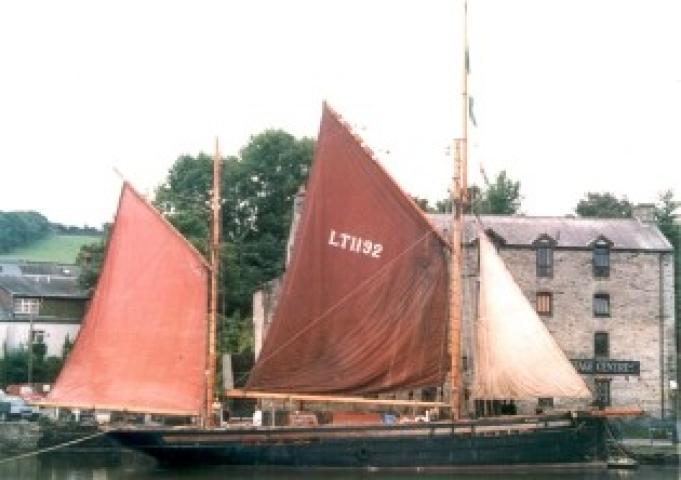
(355,244)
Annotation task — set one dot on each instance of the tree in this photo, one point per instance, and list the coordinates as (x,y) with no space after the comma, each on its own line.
(21,228)
(444,205)
(276,165)
(665,218)
(14,365)
(75,230)
(184,198)
(423,204)
(66,347)
(502,197)
(90,258)
(604,205)
(258,188)
(666,222)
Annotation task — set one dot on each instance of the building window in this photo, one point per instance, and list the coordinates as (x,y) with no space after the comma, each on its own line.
(601,345)
(602,305)
(545,402)
(601,260)
(544,260)
(38,336)
(603,392)
(27,306)
(544,303)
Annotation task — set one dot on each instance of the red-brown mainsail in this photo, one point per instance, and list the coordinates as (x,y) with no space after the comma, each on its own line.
(142,346)
(364,302)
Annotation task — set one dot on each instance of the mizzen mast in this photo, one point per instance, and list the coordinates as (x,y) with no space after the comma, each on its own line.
(213,305)
(459,195)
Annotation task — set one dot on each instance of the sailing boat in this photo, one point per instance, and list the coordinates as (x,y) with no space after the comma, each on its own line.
(363,311)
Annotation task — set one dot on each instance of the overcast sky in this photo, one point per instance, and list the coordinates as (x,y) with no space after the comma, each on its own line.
(570,95)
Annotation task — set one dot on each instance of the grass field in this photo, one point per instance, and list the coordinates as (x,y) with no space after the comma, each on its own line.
(55,248)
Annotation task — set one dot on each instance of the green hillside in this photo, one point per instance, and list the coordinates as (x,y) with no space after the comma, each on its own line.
(54,248)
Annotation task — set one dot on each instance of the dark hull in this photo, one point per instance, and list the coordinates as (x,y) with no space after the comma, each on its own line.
(432,445)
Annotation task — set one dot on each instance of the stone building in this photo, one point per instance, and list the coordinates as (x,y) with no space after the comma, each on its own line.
(604,288)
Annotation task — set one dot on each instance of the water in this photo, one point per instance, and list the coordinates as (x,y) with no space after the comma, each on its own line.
(137,467)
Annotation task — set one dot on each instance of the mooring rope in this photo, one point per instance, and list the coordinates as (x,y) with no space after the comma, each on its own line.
(49,449)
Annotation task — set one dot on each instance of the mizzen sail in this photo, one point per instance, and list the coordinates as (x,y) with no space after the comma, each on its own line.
(515,357)
(363,305)
(143,341)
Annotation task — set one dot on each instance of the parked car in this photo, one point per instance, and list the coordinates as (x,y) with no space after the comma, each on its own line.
(19,409)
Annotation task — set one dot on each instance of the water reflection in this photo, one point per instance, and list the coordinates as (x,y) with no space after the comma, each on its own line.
(646,473)
(133,466)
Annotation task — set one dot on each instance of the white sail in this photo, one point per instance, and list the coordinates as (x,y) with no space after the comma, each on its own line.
(516,356)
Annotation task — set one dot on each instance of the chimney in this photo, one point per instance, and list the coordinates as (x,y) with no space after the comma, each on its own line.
(644,213)
(298,200)
(297,212)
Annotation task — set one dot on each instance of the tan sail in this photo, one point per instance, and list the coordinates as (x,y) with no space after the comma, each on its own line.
(515,357)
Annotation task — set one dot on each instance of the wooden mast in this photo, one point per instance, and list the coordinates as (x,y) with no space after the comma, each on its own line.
(459,194)
(213,306)
(465,112)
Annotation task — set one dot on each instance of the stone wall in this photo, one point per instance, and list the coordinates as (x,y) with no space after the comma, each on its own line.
(18,437)
(264,302)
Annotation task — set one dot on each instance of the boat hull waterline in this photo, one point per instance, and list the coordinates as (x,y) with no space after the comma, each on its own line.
(436,444)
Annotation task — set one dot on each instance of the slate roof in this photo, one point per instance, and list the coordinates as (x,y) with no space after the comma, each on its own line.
(9,267)
(568,232)
(52,288)
(49,269)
